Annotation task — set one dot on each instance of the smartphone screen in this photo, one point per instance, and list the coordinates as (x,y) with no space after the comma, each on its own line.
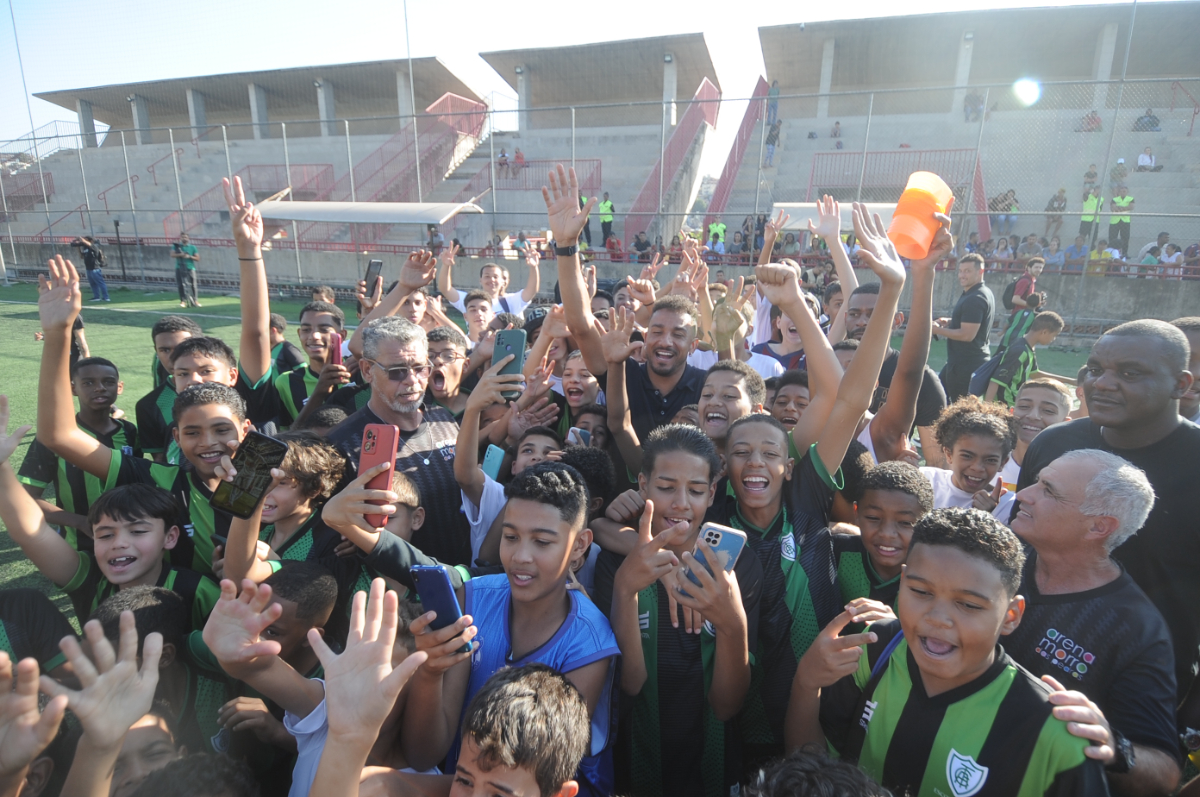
(374,269)
(253,461)
(725,542)
(436,593)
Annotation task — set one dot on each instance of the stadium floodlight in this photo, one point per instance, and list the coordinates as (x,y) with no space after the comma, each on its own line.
(520,70)
(1027,91)
(668,58)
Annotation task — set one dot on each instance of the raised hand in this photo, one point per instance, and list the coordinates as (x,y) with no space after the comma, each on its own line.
(59,299)
(650,271)
(244,218)
(829,214)
(866,611)
(418,270)
(589,279)
(648,562)
(555,323)
(542,412)
(24,731)
(565,217)
(988,499)
(252,714)
(943,241)
(772,229)
(616,343)
(9,442)
(443,646)
(347,509)
(368,296)
(361,686)
(532,257)
(233,631)
(718,598)
(878,251)
(449,253)
(626,507)
(493,385)
(831,657)
(778,284)
(116,693)
(1084,719)
(642,290)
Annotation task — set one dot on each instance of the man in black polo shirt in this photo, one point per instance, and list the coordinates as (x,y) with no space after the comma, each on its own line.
(665,383)
(1086,623)
(395,363)
(966,330)
(1136,374)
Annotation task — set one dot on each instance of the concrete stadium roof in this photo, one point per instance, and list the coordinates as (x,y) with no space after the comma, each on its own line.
(1046,43)
(606,72)
(362,89)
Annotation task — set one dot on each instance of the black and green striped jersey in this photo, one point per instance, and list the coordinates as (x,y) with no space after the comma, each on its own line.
(286,356)
(159,373)
(154,418)
(1017,327)
(31,627)
(197,719)
(992,737)
(292,390)
(350,398)
(1015,368)
(856,575)
(202,521)
(88,587)
(799,589)
(316,542)
(75,490)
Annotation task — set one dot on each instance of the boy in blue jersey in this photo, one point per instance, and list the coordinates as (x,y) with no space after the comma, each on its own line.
(525,615)
(930,703)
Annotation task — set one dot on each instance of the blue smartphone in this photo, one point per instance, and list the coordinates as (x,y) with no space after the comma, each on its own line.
(436,593)
(579,437)
(727,543)
(510,341)
(492,461)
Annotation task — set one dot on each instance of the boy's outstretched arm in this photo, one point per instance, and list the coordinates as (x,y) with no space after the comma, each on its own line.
(467,471)
(23,518)
(534,282)
(617,349)
(829,659)
(233,634)
(895,418)
(254,351)
(445,277)
(59,301)
(241,550)
(24,731)
(858,384)
(566,221)
(116,693)
(361,686)
(417,272)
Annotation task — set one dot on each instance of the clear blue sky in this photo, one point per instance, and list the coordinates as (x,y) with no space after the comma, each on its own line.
(73,44)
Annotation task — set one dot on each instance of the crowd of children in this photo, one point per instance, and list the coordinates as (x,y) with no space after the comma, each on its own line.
(657,551)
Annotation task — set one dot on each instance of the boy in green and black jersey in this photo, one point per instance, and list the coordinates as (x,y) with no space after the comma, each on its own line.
(894,496)
(319,322)
(153,411)
(931,704)
(97,383)
(1019,363)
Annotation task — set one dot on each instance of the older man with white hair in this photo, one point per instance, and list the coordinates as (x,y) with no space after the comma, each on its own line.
(1086,623)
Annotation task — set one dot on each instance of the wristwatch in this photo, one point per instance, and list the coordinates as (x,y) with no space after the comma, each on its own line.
(1123,758)
(566,251)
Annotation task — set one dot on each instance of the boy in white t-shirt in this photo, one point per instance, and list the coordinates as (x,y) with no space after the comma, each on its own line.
(977,438)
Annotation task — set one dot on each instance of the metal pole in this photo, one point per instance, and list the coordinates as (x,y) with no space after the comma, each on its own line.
(87,201)
(412,96)
(662,166)
(572,136)
(862,172)
(975,169)
(350,160)
(137,239)
(762,141)
(287,168)
(228,165)
(32,130)
(492,161)
(1112,133)
(175,166)
(120,249)
(4,206)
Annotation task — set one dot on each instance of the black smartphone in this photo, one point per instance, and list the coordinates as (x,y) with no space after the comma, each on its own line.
(374,269)
(253,461)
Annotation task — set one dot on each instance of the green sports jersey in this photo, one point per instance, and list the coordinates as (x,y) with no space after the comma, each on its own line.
(1015,369)
(88,588)
(160,374)
(75,490)
(992,737)
(198,717)
(316,542)
(195,546)
(154,419)
(31,627)
(856,575)
(292,390)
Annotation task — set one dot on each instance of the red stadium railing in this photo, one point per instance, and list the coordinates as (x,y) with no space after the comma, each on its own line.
(755,110)
(1178,87)
(178,153)
(132,181)
(311,180)
(703,108)
(80,209)
(25,189)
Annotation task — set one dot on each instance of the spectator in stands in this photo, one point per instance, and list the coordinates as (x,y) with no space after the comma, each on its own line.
(502,163)
(1089,219)
(616,253)
(518,162)
(736,247)
(605,208)
(772,102)
(836,132)
(1147,123)
(1003,252)
(1054,211)
(1091,123)
(1172,260)
(1116,177)
(1055,258)
(772,140)
(972,244)
(1098,260)
(972,107)
(436,240)
(1090,178)
(760,226)
(675,253)
(1161,242)
(642,245)
(791,248)
(1029,248)
(1148,163)
(1000,207)
(1149,262)
(1118,220)
(716,247)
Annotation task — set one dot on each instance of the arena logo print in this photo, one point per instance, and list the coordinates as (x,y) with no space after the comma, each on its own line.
(1065,654)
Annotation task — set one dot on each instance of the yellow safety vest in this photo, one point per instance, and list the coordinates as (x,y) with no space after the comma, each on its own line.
(1090,206)
(718,228)
(606,210)
(1121,203)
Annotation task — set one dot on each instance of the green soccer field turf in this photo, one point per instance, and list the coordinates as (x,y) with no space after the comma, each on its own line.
(120,331)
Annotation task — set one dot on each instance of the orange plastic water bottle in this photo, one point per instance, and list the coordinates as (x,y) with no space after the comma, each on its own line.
(913,224)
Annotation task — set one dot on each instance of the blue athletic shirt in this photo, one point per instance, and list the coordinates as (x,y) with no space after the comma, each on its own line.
(583,638)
